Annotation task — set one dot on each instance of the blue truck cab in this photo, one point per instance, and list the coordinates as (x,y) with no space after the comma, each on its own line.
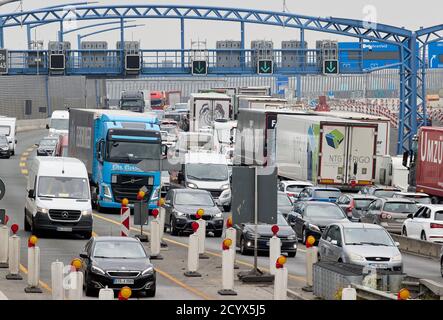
(112,143)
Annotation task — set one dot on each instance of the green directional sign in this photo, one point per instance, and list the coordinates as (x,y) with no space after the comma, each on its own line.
(199,67)
(330,67)
(265,67)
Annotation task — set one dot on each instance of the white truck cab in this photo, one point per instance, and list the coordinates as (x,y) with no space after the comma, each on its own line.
(58,197)
(8,127)
(207,171)
(59,123)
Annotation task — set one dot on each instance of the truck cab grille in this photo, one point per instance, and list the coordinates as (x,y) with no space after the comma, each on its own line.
(127,186)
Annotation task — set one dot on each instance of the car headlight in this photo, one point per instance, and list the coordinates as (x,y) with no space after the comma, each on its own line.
(107,191)
(86,212)
(356,257)
(97,270)
(150,270)
(5,148)
(218,215)
(155,194)
(226,186)
(191,185)
(180,214)
(397,258)
(43,210)
(313,227)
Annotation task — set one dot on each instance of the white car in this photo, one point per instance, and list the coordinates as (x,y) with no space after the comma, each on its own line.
(426,224)
(293,188)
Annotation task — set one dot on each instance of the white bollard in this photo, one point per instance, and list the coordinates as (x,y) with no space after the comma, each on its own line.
(281,284)
(14,258)
(349,294)
(227,274)
(231,233)
(155,240)
(106,294)
(4,244)
(193,256)
(274,253)
(311,259)
(58,292)
(162,215)
(75,291)
(201,232)
(33,270)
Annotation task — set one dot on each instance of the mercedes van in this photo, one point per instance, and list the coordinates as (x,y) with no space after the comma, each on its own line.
(58,197)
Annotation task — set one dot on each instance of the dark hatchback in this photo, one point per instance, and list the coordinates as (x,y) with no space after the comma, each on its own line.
(312,217)
(181,206)
(246,237)
(117,262)
(355,205)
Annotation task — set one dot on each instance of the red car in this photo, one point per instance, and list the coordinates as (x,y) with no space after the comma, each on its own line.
(61,149)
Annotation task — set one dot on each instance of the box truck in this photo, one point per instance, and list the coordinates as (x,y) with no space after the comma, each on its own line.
(205,108)
(8,128)
(111,143)
(326,150)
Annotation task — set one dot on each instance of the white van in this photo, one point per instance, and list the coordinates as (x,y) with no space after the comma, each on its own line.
(8,127)
(58,197)
(59,123)
(207,171)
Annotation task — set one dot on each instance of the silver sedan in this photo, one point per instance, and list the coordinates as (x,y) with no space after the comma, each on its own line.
(361,244)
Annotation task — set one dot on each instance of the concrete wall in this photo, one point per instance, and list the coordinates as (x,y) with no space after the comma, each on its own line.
(46,94)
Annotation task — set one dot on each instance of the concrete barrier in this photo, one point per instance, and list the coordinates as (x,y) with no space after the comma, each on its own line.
(419,247)
(33,124)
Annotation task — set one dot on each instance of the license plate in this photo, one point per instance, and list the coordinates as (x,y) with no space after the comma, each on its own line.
(64,229)
(379,265)
(123,281)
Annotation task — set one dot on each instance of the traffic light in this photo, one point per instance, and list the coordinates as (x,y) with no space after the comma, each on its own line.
(199,67)
(265,67)
(57,62)
(132,62)
(330,67)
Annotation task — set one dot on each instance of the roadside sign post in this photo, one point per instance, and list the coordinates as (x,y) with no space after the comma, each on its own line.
(141,214)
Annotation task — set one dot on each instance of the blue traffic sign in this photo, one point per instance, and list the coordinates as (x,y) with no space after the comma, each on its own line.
(435,53)
(282,84)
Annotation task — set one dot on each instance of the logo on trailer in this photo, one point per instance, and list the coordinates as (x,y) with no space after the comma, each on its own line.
(334,139)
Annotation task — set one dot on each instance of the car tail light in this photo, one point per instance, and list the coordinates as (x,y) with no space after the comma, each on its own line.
(350,208)
(436,226)
(291,195)
(386,216)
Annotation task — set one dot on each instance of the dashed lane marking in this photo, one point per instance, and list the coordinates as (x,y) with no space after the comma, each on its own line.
(25,154)
(42,284)
(294,277)
(30,149)
(23,158)
(25,172)
(22,164)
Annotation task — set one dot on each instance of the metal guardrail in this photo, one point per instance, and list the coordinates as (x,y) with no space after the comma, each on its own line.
(366,293)
(419,247)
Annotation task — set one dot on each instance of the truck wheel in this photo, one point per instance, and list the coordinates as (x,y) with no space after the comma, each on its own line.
(27,225)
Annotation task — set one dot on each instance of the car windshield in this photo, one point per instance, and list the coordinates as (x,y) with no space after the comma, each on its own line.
(194,199)
(439,216)
(62,187)
(118,250)
(385,193)
(283,200)
(295,188)
(5,130)
(48,143)
(362,203)
(281,221)
(400,207)
(132,105)
(326,194)
(128,151)
(368,236)
(207,172)
(59,124)
(327,211)
(156,102)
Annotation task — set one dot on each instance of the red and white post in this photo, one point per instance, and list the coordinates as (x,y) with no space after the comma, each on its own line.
(193,259)
(33,266)
(201,232)
(14,255)
(231,233)
(125,214)
(162,216)
(274,249)
(4,244)
(227,270)
(311,259)
(75,291)
(281,279)
(155,236)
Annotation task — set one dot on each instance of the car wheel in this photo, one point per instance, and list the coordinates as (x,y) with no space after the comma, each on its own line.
(27,225)
(91,292)
(34,230)
(404,232)
(304,236)
(226,208)
(174,231)
(243,249)
(151,292)
(87,235)
(423,236)
(218,234)
(292,254)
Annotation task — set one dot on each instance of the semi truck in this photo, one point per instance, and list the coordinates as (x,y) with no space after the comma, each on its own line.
(205,108)
(162,99)
(426,159)
(133,101)
(326,151)
(111,143)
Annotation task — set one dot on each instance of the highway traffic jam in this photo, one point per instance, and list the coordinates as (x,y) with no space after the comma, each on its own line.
(338,188)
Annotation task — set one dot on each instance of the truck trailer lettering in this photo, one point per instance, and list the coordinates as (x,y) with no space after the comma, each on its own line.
(431,150)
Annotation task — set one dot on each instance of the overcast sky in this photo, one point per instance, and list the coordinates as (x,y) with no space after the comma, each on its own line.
(165,33)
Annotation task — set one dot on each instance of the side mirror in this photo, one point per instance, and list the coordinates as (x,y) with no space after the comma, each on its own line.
(397,244)
(47,126)
(84,255)
(410,216)
(168,202)
(31,194)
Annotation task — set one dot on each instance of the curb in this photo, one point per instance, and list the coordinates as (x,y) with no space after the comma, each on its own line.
(295,296)
(3,297)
